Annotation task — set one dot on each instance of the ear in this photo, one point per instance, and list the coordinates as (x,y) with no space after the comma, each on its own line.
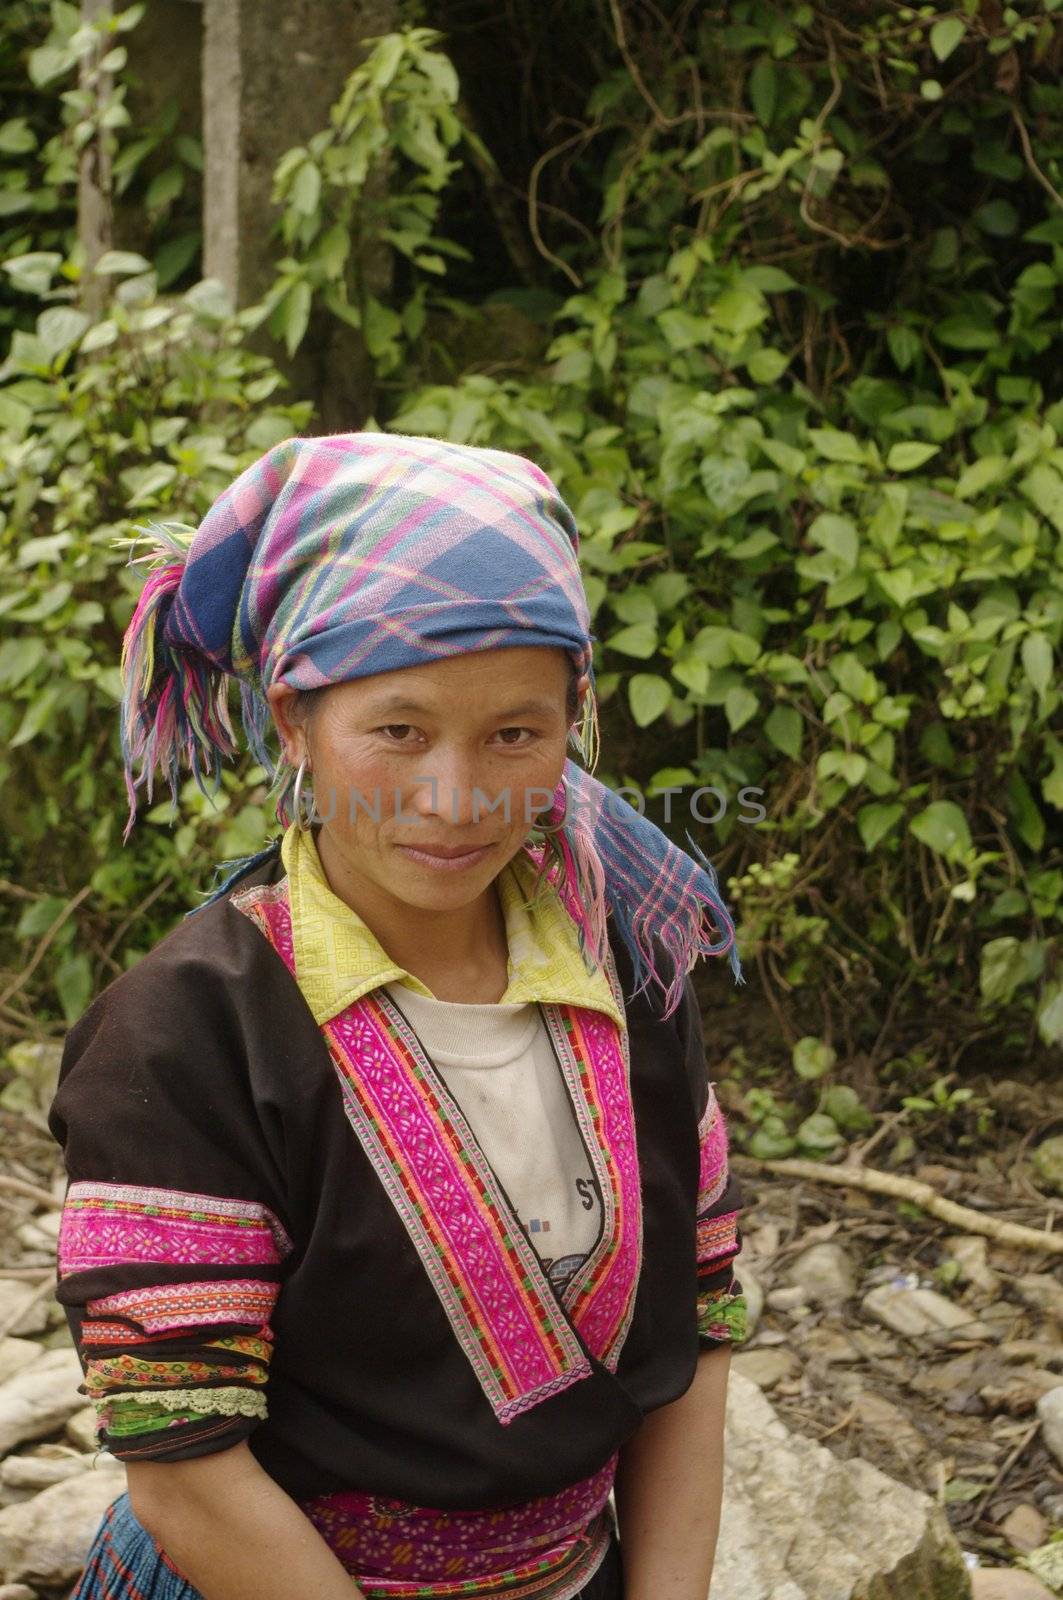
(292,734)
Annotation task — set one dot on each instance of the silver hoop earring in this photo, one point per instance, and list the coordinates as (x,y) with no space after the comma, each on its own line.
(549,829)
(297,800)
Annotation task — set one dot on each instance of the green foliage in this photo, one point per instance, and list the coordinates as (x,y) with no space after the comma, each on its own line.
(147,412)
(791,288)
(369,181)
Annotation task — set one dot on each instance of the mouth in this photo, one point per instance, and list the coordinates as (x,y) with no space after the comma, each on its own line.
(442,855)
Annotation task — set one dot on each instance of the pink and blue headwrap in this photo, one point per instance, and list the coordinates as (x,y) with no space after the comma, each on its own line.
(338,557)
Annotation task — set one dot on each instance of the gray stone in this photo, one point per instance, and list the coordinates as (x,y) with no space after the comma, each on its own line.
(765,1368)
(30,1474)
(81,1429)
(789,1298)
(799,1523)
(1018,1389)
(16,1591)
(16,1354)
(1007,1583)
(1050,1411)
(38,1400)
(923,1315)
(1042,1291)
(44,1541)
(969,1251)
(1048,1163)
(825,1273)
(1024,1528)
(14,1294)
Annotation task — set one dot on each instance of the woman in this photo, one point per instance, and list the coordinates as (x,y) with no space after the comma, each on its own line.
(399,1230)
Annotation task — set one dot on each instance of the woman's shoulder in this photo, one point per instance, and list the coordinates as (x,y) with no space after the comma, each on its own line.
(206,962)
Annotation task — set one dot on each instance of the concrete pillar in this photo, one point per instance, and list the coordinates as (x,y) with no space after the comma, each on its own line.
(271,70)
(94,166)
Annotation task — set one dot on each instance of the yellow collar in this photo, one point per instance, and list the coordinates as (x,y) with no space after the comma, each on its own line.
(338,958)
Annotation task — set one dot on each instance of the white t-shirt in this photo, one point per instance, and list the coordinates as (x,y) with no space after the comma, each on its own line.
(499,1065)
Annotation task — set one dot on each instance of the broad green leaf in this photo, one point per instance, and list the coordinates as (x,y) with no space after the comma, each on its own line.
(784,456)
(649,696)
(639,640)
(1005,966)
(784,729)
(945,35)
(767,366)
(1037,660)
(37,714)
(306,189)
(837,535)
(73,984)
(60,327)
(837,446)
(755,544)
(943,827)
(1043,487)
(740,706)
(121,264)
(1050,1014)
(875,821)
(763,90)
(999,218)
(1023,811)
(738,310)
(898,586)
(910,455)
(904,346)
(980,475)
(812,1057)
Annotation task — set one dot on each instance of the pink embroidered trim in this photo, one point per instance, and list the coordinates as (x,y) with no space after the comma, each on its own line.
(488,1277)
(544,1547)
(713,1149)
(189,1305)
(595,1061)
(717,1237)
(108,1223)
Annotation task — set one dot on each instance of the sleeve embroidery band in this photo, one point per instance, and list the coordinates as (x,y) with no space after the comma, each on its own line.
(174,1292)
(721,1305)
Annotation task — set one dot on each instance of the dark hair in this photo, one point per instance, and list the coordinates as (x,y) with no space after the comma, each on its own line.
(305,701)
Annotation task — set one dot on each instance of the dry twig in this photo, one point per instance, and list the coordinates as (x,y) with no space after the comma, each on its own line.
(921,1194)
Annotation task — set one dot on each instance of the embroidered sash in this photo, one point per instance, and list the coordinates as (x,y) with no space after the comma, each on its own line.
(547,1548)
(522,1341)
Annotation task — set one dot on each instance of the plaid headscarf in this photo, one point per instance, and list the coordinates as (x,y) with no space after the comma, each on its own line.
(341,556)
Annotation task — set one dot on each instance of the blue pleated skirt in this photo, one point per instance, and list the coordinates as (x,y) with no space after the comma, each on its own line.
(126,1562)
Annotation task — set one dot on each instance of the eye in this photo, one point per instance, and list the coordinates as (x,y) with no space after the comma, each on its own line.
(395,727)
(512,742)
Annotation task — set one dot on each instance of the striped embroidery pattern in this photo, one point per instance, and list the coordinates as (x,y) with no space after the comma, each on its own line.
(595,1061)
(723,1315)
(488,1276)
(109,1223)
(550,1544)
(717,1238)
(166,1306)
(485,1271)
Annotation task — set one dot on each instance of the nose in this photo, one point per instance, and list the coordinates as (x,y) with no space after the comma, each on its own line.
(454,789)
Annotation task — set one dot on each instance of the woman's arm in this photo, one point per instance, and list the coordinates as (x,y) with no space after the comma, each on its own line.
(669,1485)
(233,1531)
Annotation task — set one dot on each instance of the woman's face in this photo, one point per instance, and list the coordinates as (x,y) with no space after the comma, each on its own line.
(451,756)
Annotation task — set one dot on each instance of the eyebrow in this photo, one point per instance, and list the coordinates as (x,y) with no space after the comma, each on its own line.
(393,703)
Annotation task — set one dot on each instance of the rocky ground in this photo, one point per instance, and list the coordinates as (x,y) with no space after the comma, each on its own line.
(876,1331)
(936,1355)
